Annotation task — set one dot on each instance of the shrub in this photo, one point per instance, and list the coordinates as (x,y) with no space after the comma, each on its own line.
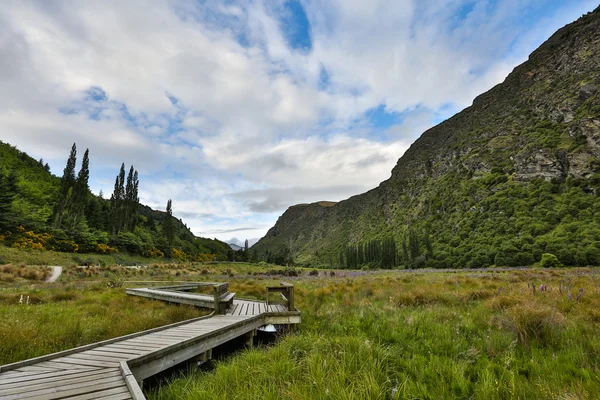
(549,261)
(314,272)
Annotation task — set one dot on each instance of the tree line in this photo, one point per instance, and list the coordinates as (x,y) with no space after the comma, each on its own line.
(414,252)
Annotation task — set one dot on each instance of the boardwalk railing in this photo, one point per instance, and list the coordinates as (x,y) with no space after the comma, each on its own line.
(286,295)
(220,301)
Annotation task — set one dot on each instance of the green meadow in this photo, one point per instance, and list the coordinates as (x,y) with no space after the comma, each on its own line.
(468,334)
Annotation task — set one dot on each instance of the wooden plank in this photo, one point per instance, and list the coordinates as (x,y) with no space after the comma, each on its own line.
(41,380)
(78,361)
(152,340)
(232,309)
(34,376)
(171,335)
(120,392)
(108,357)
(67,381)
(104,350)
(131,382)
(34,368)
(69,390)
(130,346)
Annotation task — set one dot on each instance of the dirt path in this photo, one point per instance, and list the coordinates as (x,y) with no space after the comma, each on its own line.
(56,271)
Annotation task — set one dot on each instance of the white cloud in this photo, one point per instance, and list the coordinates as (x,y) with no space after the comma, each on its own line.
(254,128)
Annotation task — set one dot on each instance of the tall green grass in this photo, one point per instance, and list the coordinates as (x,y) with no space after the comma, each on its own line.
(423,336)
(34,322)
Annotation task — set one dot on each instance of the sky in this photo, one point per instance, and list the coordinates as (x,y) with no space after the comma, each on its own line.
(237,110)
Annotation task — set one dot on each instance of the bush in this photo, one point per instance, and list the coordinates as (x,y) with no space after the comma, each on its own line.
(549,261)
(314,272)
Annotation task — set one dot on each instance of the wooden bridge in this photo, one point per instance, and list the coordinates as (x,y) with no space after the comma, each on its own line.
(115,368)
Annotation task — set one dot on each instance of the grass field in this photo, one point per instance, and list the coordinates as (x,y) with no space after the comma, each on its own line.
(516,334)
(411,335)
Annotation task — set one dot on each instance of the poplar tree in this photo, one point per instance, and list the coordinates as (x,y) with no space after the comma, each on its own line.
(80,190)
(66,187)
(116,201)
(168,223)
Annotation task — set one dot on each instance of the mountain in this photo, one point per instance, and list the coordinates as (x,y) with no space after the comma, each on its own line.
(235,246)
(512,177)
(28,199)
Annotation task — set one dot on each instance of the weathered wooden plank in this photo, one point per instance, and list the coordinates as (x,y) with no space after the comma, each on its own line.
(107,357)
(112,350)
(120,392)
(41,380)
(34,375)
(35,368)
(130,346)
(36,386)
(131,382)
(93,363)
(69,390)
(60,365)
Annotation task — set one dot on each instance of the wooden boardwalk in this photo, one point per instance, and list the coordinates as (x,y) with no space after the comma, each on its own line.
(115,368)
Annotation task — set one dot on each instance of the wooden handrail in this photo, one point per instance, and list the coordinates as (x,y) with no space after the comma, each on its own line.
(219,289)
(287,292)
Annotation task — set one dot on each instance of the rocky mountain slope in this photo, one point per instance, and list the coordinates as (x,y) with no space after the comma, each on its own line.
(514,176)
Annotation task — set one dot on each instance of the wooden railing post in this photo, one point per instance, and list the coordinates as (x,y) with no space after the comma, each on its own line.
(290,297)
(216,298)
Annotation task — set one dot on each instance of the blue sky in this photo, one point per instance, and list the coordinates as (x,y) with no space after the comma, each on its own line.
(237,110)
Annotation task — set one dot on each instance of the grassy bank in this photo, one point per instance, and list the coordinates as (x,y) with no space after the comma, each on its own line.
(488,335)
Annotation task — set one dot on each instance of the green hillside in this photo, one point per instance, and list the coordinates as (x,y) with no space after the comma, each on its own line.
(30,198)
(512,177)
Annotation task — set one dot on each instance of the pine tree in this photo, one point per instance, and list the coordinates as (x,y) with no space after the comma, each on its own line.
(66,187)
(168,223)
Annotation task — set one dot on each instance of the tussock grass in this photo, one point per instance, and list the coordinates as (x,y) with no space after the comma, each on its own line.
(14,273)
(412,335)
